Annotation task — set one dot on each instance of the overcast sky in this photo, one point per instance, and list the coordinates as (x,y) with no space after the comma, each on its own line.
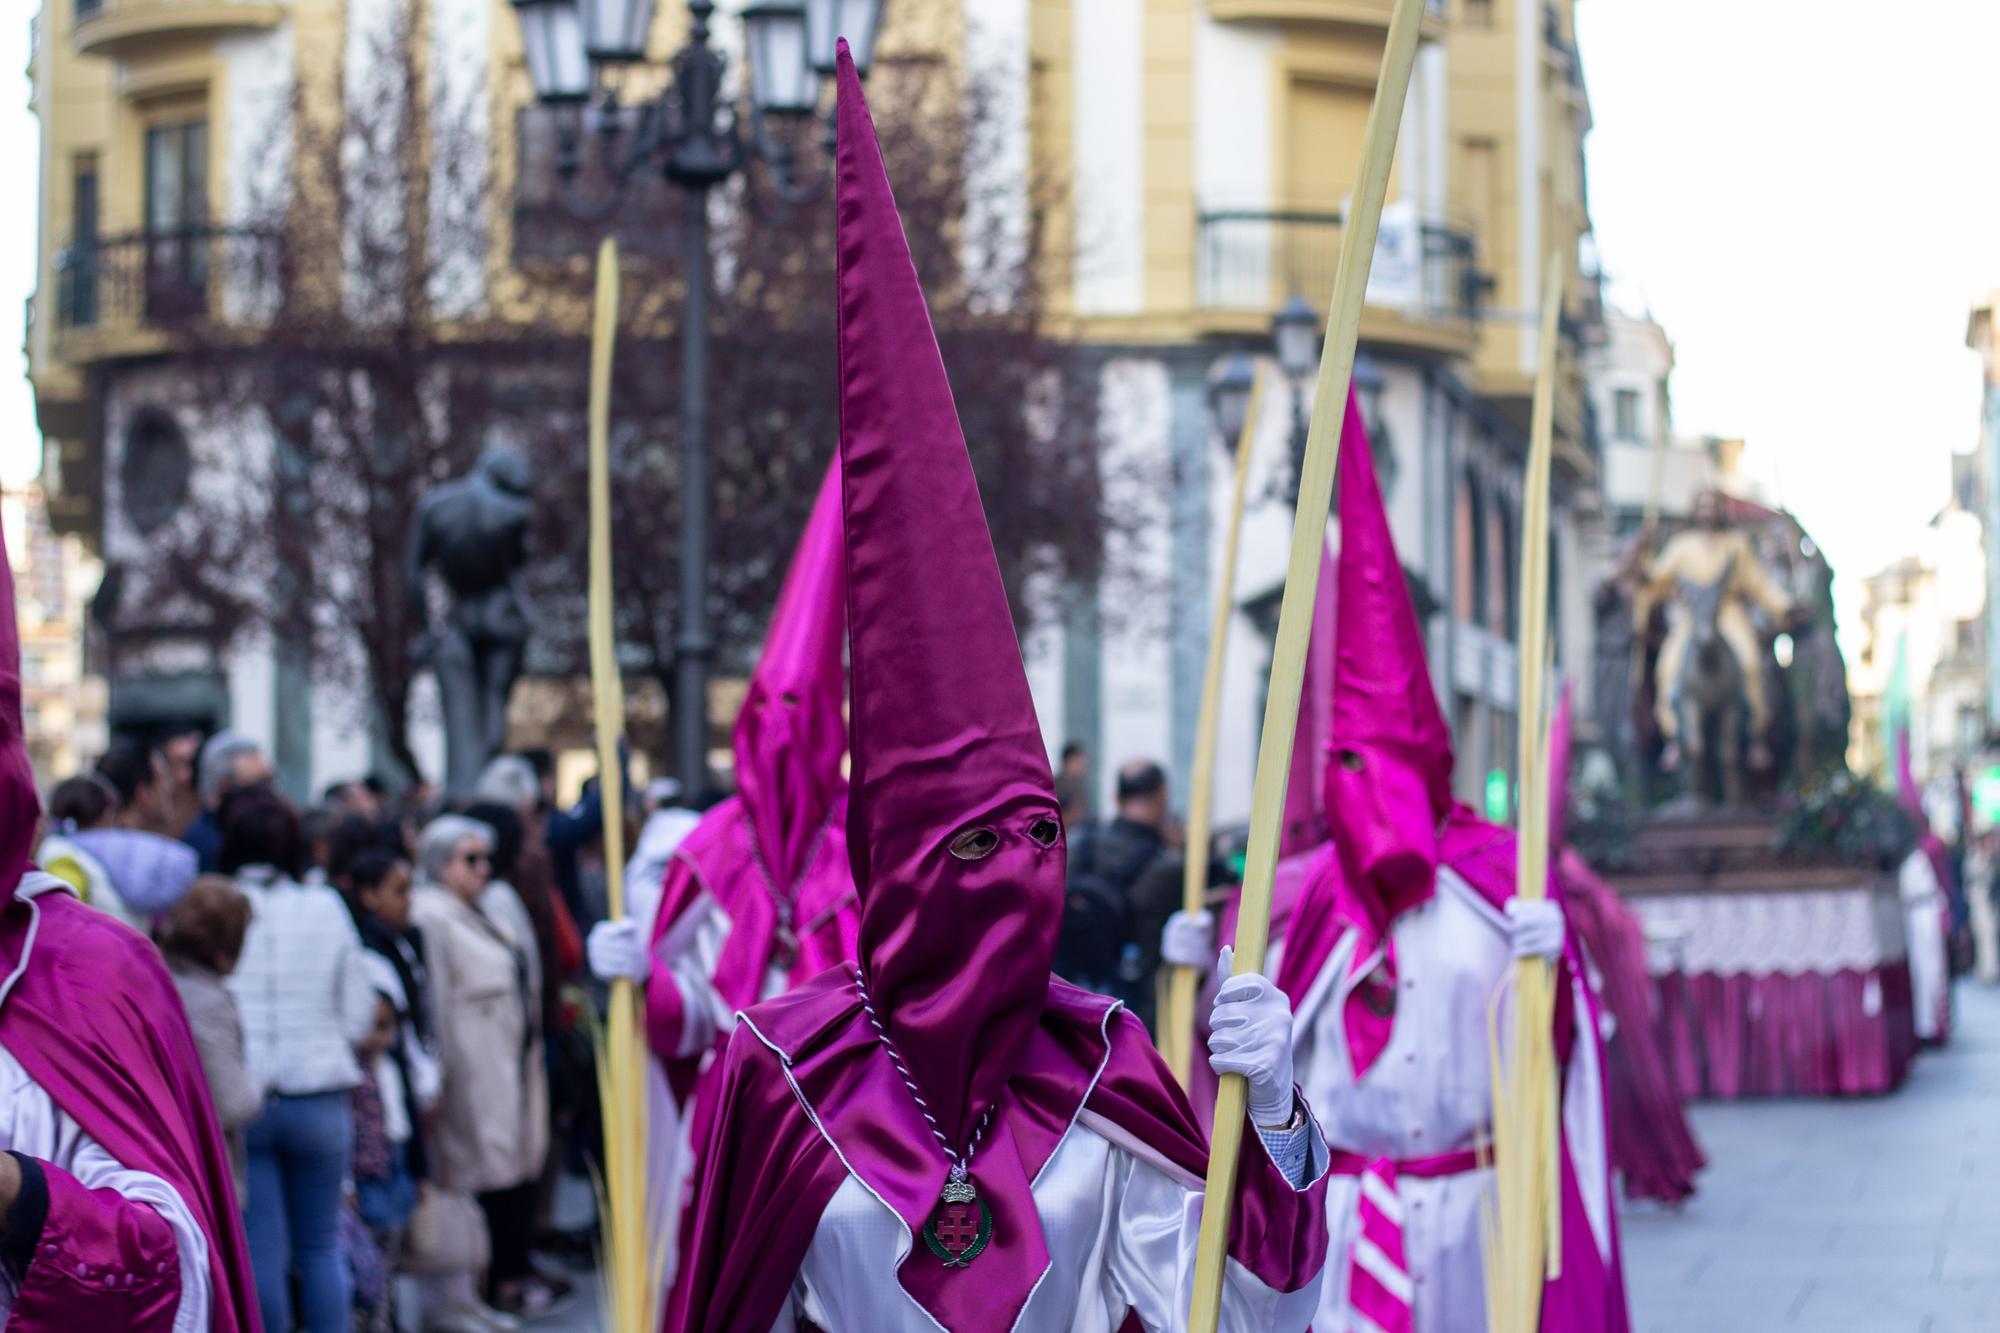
(20,446)
(1806,196)
(1803,193)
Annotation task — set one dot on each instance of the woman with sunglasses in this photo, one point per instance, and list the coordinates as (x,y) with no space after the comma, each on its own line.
(492,1131)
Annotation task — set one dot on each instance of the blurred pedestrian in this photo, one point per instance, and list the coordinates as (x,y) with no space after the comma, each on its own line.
(202,938)
(385,1190)
(356,797)
(229,762)
(303,988)
(1124,882)
(180,800)
(668,822)
(1981,862)
(492,1131)
(1073,785)
(126,873)
(139,774)
(75,806)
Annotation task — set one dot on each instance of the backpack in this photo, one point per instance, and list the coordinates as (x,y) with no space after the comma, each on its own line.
(1097,922)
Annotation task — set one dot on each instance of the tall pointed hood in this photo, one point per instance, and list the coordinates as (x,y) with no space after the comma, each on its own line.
(1305,820)
(20,806)
(953,827)
(790,735)
(1908,794)
(1388,788)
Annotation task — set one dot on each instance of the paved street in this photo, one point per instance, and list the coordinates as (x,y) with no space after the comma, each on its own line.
(1877,1216)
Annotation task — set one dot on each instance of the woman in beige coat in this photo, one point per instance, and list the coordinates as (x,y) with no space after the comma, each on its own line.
(492,1131)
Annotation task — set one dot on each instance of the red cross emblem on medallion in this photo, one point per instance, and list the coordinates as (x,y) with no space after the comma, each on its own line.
(958,1232)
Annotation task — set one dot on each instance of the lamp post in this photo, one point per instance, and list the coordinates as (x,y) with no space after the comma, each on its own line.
(1295,338)
(1229,398)
(696,137)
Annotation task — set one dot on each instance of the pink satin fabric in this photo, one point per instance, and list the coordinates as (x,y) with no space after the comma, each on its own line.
(1808,1035)
(839,1100)
(1653,1148)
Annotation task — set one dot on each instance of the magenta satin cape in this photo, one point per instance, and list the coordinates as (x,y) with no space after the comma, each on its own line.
(779,846)
(790,734)
(97,1023)
(719,858)
(771,1166)
(1652,1144)
(1589,1297)
(946,748)
(955,839)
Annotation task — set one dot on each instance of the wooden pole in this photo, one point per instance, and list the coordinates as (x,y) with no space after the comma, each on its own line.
(1288,657)
(625,1245)
(1525,1244)
(1177,1023)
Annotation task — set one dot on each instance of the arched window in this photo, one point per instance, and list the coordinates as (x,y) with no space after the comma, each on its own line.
(1469,591)
(1501,564)
(1555,596)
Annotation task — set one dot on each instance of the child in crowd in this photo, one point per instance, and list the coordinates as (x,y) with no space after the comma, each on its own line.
(202,938)
(383,1188)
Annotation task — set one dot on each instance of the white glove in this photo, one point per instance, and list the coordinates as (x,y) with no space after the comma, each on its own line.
(617,951)
(1535,928)
(1189,939)
(1250,1033)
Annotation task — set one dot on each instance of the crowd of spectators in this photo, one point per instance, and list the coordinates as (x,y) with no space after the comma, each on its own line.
(387,993)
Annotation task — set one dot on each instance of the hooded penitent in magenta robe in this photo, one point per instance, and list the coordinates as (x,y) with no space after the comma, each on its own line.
(758,897)
(89,1015)
(1390,956)
(823,1195)
(1302,839)
(1925,883)
(1653,1147)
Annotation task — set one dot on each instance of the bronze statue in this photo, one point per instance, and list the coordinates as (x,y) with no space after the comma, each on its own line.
(474,530)
(1713,704)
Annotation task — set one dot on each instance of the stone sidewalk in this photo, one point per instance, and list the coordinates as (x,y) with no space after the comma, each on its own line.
(1878,1216)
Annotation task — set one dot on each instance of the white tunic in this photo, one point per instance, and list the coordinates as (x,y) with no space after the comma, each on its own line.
(1121,1226)
(1924,907)
(34,1126)
(689,952)
(1430,1092)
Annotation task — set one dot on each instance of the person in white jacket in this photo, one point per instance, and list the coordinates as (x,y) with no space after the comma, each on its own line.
(303,989)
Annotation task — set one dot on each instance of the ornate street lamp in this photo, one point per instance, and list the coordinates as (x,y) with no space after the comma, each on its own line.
(552,35)
(1229,398)
(696,137)
(1295,340)
(1295,337)
(827,21)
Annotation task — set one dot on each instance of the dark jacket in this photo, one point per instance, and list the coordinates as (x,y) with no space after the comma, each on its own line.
(405,951)
(1134,858)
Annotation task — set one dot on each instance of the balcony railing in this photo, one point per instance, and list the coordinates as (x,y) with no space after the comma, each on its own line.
(166,281)
(1251,259)
(118,27)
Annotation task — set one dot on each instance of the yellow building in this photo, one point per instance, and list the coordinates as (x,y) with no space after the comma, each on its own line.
(62,702)
(1209,150)
(1189,162)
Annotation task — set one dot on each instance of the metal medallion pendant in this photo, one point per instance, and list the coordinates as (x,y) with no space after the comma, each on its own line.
(962,1226)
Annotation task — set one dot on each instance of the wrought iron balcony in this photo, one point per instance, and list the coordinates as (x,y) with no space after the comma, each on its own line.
(1251,259)
(1345,12)
(113,27)
(163,282)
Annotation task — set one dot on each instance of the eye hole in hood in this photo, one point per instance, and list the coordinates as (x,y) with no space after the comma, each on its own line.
(975,844)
